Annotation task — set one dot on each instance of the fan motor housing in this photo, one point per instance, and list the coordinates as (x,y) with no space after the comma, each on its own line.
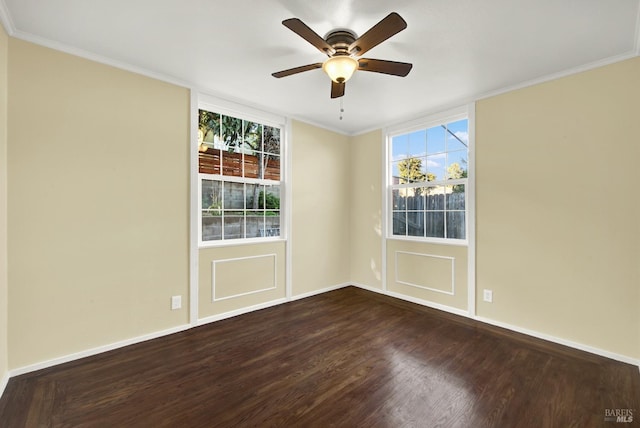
(340,39)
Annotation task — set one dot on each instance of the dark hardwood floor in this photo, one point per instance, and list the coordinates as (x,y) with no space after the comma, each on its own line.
(348,358)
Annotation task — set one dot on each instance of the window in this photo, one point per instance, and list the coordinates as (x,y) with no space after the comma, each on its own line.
(428,178)
(239,165)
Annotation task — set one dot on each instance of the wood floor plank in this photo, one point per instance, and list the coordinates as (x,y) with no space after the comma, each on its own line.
(349,358)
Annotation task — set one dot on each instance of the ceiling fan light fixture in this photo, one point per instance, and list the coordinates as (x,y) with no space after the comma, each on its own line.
(340,68)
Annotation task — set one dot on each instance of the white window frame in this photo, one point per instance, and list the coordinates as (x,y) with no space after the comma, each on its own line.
(437,119)
(232,109)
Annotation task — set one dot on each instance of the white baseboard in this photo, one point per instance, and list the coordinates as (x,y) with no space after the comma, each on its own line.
(321,291)
(560,341)
(3,383)
(456,311)
(416,300)
(95,351)
(569,343)
(235,313)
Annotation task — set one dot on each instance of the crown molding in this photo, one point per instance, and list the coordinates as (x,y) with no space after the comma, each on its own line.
(5,19)
(637,41)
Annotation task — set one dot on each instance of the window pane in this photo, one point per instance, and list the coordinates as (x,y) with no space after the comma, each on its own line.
(271,198)
(233,196)
(455,197)
(435,224)
(233,225)
(208,128)
(211,195)
(400,147)
(252,138)
(435,140)
(231,163)
(211,227)
(415,199)
(455,225)
(435,198)
(255,224)
(399,199)
(252,195)
(231,134)
(411,170)
(399,223)
(458,135)
(272,223)
(252,165)
(435,167)
(418,143)
(271,167)
(209,160)
(272,140)
(395,174)
(456,164)
(415,223)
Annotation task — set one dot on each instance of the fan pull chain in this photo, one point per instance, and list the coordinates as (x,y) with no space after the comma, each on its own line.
(341,107)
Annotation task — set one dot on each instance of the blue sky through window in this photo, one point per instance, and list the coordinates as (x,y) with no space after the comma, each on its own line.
(437,147)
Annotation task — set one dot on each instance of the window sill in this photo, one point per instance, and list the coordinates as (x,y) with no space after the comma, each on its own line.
(439,241)
(239,242)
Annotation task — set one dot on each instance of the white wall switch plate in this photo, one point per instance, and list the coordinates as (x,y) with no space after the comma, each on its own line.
(488,296)
(176,302)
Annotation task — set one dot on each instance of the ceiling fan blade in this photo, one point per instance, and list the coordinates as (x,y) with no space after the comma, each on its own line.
(382,66)
(377,34)
(289,72)
(337,89)
(302,30)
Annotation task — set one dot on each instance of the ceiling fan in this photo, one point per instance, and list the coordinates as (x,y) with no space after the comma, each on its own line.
(344,49)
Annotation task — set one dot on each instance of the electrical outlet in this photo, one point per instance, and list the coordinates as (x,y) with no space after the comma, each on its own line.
(488,296)
(176,302)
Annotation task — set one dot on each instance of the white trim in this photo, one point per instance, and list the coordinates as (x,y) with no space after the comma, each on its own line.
(428,121)
(241,311)
(286,216)
(471,211)
(61,47)
(430,240)
(558,75)
(237,241)
(368,288)
(321,291)
(428,304)
(144,338)
(424,287)
(483,320)
(560,341)
(384,221)
(241,111)
(194,204)
(6,20)
(213,276)
(3,383)
(421,302)
(637,40)
(95,351)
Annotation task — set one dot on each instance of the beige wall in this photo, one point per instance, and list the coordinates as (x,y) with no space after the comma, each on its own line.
(558,238)
(365,179)
(98,209)
(4,48)
(321,208)
(98,204)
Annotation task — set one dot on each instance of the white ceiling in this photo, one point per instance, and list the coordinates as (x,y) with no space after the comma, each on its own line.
(460,49)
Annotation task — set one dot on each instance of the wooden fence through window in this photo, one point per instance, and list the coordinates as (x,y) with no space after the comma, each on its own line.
(209,162)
